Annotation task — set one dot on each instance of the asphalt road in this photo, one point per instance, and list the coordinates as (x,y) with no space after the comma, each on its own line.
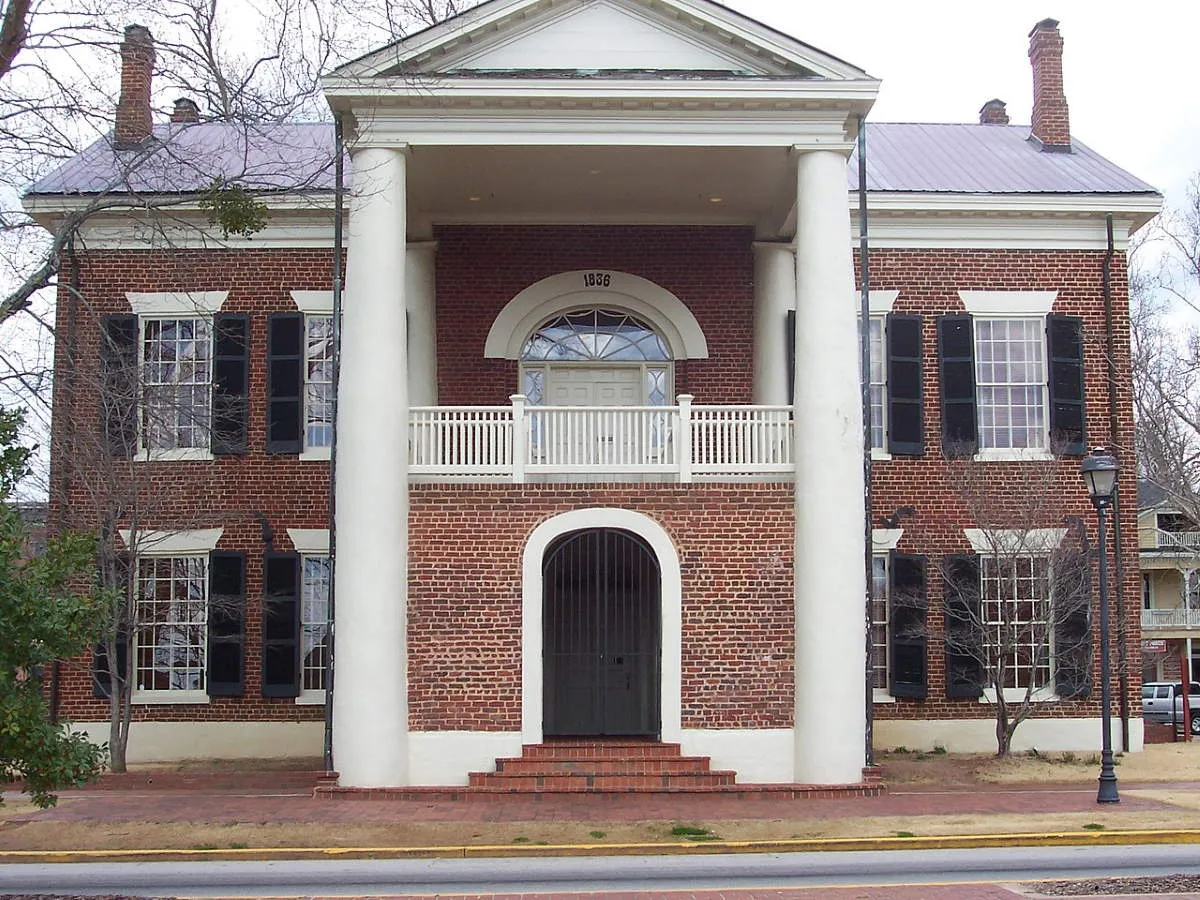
(353,878)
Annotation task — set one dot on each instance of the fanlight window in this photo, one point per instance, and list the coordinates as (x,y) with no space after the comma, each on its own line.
(595,335)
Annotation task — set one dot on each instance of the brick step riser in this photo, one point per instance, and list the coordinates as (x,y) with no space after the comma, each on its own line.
(532,783)
(601,766)
(597,750)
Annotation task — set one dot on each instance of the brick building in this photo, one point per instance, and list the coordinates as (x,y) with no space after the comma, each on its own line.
(599,430)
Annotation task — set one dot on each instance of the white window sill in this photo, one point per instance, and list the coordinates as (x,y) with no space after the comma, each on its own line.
(882,696)
(170,698)
(879,455)
(1016,695)
(311,698)
(182,454)
(1008,454)
(315,454)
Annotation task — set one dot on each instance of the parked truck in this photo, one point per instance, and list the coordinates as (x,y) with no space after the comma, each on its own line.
(1162,702)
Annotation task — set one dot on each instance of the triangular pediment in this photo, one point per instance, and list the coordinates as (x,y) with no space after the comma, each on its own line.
(536,38)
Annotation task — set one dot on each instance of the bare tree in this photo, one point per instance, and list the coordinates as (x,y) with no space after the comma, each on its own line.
(1165,295)
(1015,616)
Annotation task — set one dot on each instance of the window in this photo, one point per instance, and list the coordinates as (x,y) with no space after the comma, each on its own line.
(1010,373)
(314,622)
(878,384)
(172,619)
(176,366)
(318,381)
(880,598)
(1012,379)
(1015,593)
(595,355)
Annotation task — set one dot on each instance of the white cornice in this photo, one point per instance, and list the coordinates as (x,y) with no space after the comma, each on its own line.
(809,129)
(428,91)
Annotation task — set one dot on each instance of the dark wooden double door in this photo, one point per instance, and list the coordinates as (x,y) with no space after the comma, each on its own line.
(602,621)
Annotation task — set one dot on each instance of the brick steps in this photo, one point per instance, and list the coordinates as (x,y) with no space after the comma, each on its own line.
(601,765)
(605,770)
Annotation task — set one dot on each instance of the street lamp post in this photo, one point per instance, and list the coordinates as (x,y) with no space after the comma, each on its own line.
(1100,472)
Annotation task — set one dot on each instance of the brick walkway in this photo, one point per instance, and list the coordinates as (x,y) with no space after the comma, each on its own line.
(282,797)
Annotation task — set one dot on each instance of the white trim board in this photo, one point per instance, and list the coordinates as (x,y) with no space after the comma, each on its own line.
(176,303)
(173,543)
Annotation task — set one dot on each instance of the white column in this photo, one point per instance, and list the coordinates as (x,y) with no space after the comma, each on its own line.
(774,295)
(830,578)
(421,296)
(370,699)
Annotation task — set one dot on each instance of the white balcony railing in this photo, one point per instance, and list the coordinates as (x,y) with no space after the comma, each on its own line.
(1170,618)
(522,441)
(1179,540)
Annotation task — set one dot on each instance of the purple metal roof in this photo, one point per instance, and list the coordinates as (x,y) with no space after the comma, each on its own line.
(293,157)
(985,159)
(299,157)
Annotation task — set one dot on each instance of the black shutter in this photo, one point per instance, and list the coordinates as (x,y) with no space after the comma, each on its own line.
(231,383)
(1064,342)
(226,623)
(956,353)
(907,626)
(101,673)
(1072,605)
(119,380)
(963,627)
(789,340)
(906,395)
(285,383)
(281,625)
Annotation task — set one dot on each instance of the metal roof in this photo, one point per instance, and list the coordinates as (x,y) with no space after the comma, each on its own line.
(984,159)
(299,157)
(187,158)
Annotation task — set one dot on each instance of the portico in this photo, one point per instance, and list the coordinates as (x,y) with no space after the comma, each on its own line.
(483,122)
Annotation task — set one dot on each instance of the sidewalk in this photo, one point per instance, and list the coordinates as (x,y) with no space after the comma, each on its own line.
(243,815)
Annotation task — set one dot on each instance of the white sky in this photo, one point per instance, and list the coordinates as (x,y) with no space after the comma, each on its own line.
(1131,70)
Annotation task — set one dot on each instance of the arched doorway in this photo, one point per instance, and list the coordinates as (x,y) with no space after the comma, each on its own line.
(602,626)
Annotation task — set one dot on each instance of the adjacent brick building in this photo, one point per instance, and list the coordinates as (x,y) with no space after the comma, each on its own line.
(599,428)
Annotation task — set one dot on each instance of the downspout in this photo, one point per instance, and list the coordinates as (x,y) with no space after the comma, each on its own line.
(1113,425)
(864,340)
(339,202)
(68,399)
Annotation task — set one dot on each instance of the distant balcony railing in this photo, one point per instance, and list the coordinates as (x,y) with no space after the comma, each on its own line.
(520,442)
(1179,540)
(1170,618)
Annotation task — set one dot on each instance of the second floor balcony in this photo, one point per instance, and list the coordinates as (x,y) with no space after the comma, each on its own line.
(1174,618)
(522,442)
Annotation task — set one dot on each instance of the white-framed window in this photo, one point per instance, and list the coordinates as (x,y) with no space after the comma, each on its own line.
(880,602)
(1010,382)
(318,381)
(170,641)
(175,359)
(878,382)
(1015,611)
(314,625)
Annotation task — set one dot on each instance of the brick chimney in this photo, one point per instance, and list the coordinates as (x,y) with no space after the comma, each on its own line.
(186,111)
(1051,119)
(994,112)
(133,123)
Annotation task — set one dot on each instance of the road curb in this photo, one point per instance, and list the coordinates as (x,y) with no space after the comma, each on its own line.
(944,842)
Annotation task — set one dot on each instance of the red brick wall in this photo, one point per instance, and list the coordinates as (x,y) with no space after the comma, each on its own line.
(466,549)
(734,540)
(929,282)
(481,268)
(229,491)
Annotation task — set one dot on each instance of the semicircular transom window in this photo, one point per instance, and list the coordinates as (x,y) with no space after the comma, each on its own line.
(595,335)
